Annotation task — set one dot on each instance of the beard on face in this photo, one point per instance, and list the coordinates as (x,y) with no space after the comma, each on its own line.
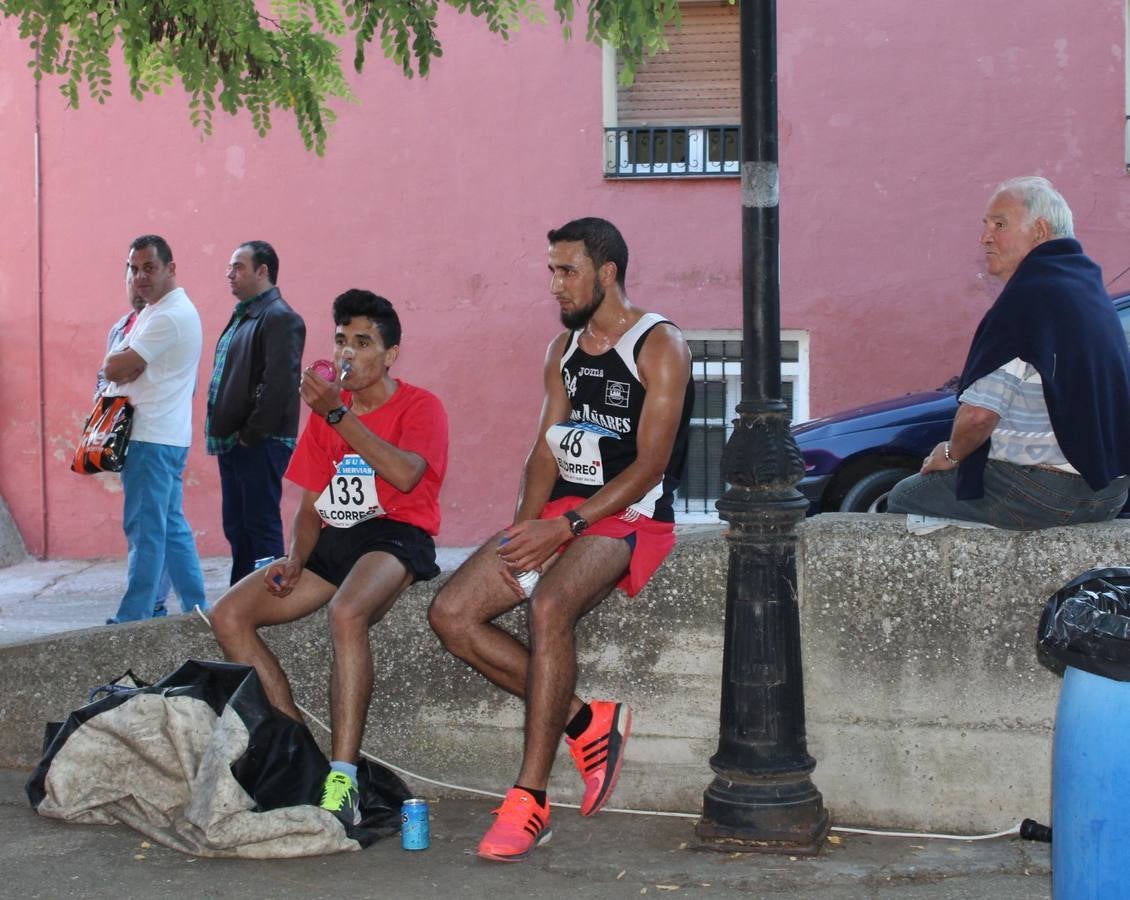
(579,318)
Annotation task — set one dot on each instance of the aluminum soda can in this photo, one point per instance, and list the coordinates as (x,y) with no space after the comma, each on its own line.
(414,831)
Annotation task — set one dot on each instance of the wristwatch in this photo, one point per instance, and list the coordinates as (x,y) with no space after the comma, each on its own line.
(577,522)
(336,415)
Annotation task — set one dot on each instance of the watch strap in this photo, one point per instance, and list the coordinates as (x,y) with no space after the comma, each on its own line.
(336,415)
(577,522)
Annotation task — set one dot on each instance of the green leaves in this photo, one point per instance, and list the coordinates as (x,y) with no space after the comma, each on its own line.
(229,54)
(634,27)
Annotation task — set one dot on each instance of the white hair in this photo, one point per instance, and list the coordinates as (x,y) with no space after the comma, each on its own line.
(1042,202)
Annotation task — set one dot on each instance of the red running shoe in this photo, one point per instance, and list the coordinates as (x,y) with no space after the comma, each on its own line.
(521,825)
(599,751)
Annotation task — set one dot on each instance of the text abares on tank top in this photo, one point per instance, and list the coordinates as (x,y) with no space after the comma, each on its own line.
(599,440)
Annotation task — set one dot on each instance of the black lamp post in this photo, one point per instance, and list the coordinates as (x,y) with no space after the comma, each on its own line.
(762,797)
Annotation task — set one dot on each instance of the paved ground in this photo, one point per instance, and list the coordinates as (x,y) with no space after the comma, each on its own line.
(609,856)
(44,597)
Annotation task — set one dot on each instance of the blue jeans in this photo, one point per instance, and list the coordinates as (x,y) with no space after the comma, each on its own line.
(163,588)
(1016,497)
(157,532)
(251,484)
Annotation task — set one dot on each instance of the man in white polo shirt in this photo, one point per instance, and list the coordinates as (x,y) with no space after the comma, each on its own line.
(155,366)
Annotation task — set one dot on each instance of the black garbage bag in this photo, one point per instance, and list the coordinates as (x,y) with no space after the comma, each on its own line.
(202,763)
(1086,624)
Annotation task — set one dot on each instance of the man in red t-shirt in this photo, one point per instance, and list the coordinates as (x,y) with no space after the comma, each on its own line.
(371,461)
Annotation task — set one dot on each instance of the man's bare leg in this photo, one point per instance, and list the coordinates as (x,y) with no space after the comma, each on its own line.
(462,615)
(246,607)
(367,593)
(586,573)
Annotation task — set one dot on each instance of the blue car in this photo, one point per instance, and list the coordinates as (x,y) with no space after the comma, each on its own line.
(853,458)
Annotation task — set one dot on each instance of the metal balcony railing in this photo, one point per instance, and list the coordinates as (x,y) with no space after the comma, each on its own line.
(716,365)
(672,151)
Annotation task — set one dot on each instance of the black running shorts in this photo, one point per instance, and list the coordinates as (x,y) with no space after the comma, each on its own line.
(338,549)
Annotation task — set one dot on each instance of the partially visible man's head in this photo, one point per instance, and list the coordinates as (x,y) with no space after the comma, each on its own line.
(585,255)
(159,244)
(1042,202)
(603,243)
(253,269)
(132,296)
(1022,214)
(150,267)
(357,302)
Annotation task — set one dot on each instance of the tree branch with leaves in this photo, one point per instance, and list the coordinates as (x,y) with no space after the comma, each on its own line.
(234,56)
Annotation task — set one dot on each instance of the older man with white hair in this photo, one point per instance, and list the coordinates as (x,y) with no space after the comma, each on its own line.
(1042,433)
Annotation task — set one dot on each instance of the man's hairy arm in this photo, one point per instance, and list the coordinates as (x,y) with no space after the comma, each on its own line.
(540,470)
(123,366)
(403,469)
(972,426)
(282,575)
(665,368)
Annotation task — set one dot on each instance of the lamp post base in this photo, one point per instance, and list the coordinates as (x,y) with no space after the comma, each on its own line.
(782,814)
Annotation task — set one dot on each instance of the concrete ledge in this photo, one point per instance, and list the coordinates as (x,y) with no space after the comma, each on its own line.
(12,549)
(926,706)
(660,651)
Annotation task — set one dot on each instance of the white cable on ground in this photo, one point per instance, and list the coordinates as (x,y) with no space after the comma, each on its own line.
(1015,829)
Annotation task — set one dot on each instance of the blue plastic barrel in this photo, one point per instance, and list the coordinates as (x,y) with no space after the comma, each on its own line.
(1091,789)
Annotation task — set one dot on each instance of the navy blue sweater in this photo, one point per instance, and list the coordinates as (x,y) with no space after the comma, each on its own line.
(1055,314)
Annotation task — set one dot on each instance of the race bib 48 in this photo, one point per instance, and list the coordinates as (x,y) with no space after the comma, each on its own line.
(576,447)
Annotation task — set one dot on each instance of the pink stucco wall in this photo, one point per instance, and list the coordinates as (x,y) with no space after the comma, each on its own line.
(897,122)
(438,194)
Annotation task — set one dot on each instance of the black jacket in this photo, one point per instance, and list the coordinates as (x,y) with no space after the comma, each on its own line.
(1055,314)
(258,393)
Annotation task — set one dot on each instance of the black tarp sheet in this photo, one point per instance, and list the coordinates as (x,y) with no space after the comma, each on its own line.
(201,762)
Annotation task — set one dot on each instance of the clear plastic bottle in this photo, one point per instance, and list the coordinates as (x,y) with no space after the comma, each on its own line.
(528,580)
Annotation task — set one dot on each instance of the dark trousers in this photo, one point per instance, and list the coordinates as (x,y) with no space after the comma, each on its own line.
(1018,497)
(251,483)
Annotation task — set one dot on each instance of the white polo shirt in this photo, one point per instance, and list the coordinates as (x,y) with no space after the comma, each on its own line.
(168,336)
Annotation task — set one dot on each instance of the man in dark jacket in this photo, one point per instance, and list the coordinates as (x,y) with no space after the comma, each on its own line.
(1041,437)
(253,405)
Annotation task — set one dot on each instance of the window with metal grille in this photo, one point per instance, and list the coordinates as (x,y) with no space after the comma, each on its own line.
(680,115)
(671,150)
(716,364)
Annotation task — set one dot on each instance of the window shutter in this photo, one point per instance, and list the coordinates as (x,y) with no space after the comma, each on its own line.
(696,81)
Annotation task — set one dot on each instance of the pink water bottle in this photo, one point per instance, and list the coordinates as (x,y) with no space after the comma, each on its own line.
(325,368)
